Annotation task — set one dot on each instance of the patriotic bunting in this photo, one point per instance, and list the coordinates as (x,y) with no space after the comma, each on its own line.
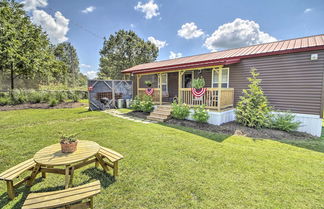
(198,92)
(149,91)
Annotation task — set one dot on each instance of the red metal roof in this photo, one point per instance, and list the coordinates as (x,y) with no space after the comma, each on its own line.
(231,56)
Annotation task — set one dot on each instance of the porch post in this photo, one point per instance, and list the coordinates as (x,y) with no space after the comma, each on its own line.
(179,85)
(219,89)
(160,81)
(138,77)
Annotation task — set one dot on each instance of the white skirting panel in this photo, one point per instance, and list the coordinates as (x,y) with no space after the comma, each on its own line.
(311,124)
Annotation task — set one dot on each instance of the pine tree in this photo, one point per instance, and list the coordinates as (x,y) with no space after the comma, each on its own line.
(253,109)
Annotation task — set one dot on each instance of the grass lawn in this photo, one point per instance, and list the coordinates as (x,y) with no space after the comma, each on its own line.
(169,167)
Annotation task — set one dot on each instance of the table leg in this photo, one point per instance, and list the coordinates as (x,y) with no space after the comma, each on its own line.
(102,163)
(33,175)
(67,176)
(71,177)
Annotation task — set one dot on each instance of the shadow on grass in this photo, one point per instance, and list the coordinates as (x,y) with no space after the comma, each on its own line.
(94,174)
(219,137)
(310,144)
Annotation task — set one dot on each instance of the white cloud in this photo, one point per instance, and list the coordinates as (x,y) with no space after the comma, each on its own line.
(56,27)
(91,74)
(88,9)
(174,55)
(157,43)
(238,33)
(85,66)
(132,25)
(30,5)
(190,31)
(308,10)
(150,9)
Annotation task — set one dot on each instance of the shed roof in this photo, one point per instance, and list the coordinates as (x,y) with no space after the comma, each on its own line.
(231,56)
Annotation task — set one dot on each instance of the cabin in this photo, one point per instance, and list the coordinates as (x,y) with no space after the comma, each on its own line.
(292,73)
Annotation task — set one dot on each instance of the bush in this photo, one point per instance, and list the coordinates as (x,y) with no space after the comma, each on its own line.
(53,102)
(35,96)
(285,122)
(18,97)
(180,111)
(147,104)
(75,97)
(4,101)
(201,114)
(253,109)
(61,96)
(136,104)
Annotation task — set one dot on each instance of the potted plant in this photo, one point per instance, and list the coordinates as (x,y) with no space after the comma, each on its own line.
(148,83)
(69,143)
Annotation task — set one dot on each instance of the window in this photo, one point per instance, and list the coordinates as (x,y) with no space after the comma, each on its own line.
(225,78)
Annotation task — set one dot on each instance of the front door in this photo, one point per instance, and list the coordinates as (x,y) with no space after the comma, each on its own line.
(187,79)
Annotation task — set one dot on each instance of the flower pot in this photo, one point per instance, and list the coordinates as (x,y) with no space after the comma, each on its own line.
(69,147)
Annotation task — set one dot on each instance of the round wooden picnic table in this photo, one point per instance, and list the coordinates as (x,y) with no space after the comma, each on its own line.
(49,157)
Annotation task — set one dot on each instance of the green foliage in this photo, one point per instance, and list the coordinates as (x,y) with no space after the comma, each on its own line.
(35,96)
(67,139)
(180,111)
(284,121)
(75,97)
(25,49)
(18,97)
(198,83)
(148,83)
(123,50)
(53,102)
(253,109)
(147,104)
(4,101)
(61,96)
(144,104)
(136,104)
(201,114)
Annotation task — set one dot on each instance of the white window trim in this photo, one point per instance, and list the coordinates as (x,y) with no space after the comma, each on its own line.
(217,82)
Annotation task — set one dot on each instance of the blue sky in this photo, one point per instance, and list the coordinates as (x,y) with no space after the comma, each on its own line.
(178,27)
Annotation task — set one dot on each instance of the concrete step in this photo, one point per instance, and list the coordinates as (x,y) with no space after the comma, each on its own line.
(164,107)
(167,112)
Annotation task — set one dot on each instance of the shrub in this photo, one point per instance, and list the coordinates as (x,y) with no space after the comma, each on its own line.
(253,109)
(201,114)
(147,104)
(61,96)
(136,104)
(53,102)
(35,96)
(75,97)
(180,111)
(198,83)
(4,101)
(284,121)
(18,97)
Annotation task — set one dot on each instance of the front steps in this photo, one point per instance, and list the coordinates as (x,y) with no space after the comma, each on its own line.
(161,113)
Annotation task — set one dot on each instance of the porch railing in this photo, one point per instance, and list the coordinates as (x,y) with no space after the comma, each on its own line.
(155,95)
(210,98)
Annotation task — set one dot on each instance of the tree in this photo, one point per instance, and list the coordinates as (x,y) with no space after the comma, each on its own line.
(66,53)
(24,48)
(124,50)
(253,109)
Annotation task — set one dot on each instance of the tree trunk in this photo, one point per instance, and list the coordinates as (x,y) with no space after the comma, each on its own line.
(12,76)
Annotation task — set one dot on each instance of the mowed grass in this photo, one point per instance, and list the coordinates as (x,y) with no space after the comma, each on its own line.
(165,167)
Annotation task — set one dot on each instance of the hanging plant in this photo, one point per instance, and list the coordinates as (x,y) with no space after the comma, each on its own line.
(148,83)
(198,89)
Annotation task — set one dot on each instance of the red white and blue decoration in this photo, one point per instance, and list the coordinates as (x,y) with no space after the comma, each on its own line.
(149,91)
(198,92)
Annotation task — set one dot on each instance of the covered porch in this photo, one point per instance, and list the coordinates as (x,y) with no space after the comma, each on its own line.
(176,85)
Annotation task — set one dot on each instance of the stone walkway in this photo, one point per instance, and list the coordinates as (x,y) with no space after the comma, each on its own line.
(118,114)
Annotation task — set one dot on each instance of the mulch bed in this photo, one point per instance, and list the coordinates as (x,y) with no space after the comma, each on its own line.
(142,115)
(234,128)
(42,106)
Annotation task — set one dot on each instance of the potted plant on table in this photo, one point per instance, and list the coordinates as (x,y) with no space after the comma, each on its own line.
(148,83)
(69,143)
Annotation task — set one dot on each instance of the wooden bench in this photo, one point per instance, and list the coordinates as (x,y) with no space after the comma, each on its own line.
(13,173)
(69,198)
(113,158)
